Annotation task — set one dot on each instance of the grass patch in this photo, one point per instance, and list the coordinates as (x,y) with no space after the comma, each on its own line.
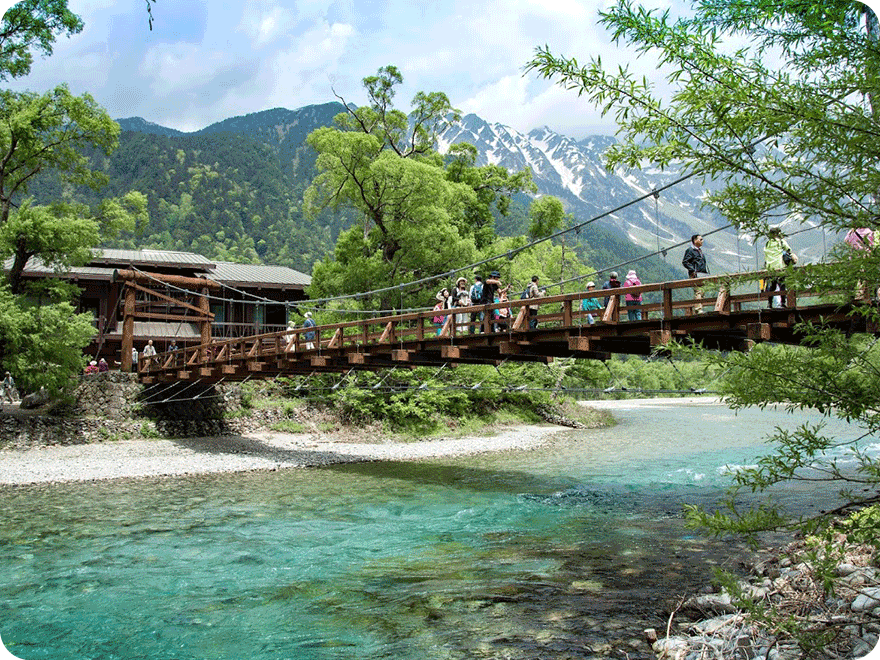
(288,426)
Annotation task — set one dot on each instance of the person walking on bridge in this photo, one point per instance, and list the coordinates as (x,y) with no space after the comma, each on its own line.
(633,300)
(310,335)
(777,255)
(694,263)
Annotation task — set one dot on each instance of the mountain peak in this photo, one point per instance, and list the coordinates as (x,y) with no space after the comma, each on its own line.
(141,125)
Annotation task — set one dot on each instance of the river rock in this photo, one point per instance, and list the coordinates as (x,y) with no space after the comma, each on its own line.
(868,599)
(711,603)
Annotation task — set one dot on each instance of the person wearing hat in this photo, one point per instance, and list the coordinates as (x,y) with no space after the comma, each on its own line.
(694,263)
(310,335)
(91,368)
(633,300)
(612,283)
(590,305)
(461,297)
(777,255)
(103,366)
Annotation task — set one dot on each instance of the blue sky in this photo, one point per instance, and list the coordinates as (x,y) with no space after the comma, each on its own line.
(204,62)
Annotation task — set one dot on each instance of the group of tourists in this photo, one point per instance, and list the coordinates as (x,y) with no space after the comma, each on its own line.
(98,366)
(481,291)
(309,336)
(633,300)
(777,255)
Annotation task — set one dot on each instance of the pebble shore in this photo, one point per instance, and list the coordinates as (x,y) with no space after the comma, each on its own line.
(253,451)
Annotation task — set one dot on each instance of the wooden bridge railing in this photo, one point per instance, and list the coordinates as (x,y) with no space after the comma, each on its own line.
(230,356)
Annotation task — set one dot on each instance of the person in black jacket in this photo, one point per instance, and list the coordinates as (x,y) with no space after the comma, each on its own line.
(694,263)
(612,283)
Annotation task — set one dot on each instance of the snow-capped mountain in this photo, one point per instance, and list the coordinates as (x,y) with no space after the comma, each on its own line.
(574,171)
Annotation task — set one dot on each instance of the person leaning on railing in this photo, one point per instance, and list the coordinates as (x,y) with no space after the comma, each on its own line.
(777,255)
(590,304)
(694,263)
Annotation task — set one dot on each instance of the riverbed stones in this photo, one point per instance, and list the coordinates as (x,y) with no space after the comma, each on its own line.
(853,612)
(868,599)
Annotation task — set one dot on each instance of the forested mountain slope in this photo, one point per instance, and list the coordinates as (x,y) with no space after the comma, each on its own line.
(233,190)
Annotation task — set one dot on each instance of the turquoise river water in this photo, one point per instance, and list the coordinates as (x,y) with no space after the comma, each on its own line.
(551,553)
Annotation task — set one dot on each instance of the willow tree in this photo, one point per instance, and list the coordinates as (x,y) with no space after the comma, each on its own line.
(41,335)
(787,125)
(419,213)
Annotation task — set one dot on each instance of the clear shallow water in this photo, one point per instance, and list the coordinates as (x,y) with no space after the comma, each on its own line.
(524,554)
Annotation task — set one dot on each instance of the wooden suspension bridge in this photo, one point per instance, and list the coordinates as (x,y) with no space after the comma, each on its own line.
(538,330)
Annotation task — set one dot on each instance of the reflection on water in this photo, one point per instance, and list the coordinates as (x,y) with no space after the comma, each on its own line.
(534,554)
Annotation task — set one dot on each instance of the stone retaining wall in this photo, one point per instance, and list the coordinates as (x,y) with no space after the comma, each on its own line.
(115,406)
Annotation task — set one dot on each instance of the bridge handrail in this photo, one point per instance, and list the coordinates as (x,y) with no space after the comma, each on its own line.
(291,340)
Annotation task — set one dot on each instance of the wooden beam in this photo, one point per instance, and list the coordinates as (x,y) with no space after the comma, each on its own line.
(659,337)
(722,301)
(450,352)
(509,348)
(194,283)
(611,315)
(127,329)
(336,341)
(400,355)
(318,361)
(162,296)
(758,331)
(171,317)
(356,358)
(579,343)
(521,324)
(387,334)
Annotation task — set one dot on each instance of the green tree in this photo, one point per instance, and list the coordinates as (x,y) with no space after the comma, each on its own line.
(32,25)
(41,338)
(46,132)
(781,139)
(777,137)
(418,213)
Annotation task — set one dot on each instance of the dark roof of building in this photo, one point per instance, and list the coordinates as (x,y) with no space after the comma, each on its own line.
(164,258)
(228,273)
(233,274)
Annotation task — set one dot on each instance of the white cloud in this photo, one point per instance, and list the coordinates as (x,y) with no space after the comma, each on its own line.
(176,68)
(265,22)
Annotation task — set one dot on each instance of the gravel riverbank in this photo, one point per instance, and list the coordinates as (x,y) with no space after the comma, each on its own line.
(254,451)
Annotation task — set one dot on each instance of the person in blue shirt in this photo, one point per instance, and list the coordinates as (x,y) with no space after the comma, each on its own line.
(310,335)
(591,304)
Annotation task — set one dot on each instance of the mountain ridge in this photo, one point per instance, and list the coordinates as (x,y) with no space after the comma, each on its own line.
(571,169)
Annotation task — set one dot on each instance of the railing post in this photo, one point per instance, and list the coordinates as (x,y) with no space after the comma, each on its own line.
(566,313)
(667,302)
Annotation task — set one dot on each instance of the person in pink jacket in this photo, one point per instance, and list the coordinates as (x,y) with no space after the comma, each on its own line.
(633,300)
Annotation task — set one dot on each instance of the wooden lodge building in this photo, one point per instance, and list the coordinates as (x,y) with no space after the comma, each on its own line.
(166,295)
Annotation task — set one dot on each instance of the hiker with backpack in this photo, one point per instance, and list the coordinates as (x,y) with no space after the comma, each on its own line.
(476,294)
(491,288)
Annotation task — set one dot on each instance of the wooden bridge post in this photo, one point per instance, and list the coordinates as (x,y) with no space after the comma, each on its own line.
(566,314)
(127,328)
(667,303)
(205,325)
